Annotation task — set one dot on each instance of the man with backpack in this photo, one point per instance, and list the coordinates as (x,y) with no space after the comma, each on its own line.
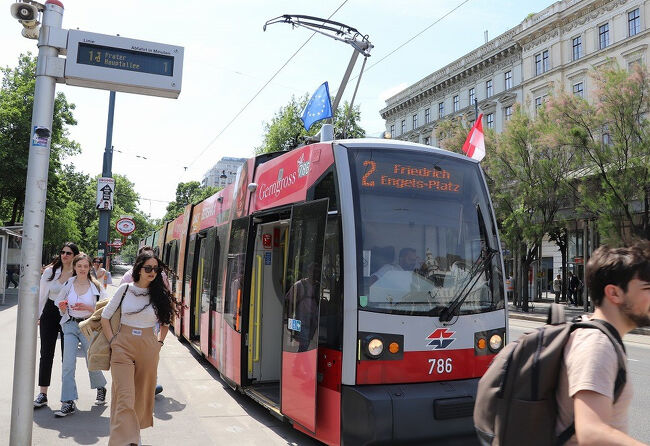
(619,280)
(566,383)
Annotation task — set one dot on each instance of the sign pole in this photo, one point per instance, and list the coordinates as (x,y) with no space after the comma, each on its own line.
(22,408)
(107,167)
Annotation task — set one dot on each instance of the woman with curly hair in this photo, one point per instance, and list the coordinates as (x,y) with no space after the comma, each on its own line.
(135,347)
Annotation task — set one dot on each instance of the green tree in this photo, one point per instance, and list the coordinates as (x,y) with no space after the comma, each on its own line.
(188,193)
(611,136)
(530,170)
(286,131)
(16,102)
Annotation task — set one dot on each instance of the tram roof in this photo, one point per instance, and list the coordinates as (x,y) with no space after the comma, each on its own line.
(402,145)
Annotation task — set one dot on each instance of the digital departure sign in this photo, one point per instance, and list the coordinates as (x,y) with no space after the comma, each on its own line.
(377,173)
(122,59)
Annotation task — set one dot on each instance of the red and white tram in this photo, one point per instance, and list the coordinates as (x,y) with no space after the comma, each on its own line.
(353,287)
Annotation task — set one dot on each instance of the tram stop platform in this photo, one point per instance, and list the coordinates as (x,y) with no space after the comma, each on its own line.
(195,407)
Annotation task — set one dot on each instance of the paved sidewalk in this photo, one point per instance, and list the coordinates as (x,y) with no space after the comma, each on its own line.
(538,311)
(196,406)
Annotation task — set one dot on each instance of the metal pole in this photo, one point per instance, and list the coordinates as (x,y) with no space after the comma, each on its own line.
(475,109)
(585,255)
(344,81)
(22,408)
(107,167)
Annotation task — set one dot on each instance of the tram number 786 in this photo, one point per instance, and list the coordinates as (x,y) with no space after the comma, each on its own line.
(440,366)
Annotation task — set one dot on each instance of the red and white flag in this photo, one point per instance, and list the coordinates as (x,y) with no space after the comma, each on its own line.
(474,146)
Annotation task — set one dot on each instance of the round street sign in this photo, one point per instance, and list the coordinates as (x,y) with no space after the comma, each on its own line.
(125,226)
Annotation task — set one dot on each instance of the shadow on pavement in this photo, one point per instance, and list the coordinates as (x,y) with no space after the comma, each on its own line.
(72,427)
(164,406)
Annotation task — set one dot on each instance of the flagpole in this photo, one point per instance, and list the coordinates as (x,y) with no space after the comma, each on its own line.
(475,109)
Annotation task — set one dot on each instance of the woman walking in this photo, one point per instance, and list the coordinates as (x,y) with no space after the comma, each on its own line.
(76,302)
(135,348)
(100,273)
(52,280)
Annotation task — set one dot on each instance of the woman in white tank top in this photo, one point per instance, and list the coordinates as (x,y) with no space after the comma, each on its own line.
(76,302)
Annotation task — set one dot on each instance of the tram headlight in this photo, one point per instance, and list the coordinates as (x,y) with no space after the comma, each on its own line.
(374,346)
(496,341)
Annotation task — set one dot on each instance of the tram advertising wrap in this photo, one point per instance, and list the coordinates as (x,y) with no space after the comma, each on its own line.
(353,288)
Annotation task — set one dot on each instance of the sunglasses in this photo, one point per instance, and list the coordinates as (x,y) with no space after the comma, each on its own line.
(150,268)
(66,253)
(97,261)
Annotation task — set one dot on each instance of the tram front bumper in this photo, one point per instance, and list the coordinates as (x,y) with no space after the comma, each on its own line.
(403,413)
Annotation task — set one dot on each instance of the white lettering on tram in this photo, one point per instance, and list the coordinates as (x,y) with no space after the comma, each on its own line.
(275,188)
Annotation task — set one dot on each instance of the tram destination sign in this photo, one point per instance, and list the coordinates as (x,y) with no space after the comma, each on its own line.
(122,64)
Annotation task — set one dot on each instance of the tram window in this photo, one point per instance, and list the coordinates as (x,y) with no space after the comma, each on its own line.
(235,272)
(330,327)
(206,260)
(325,188)
(440,209)
(173,262)
(222,233)
(189,264)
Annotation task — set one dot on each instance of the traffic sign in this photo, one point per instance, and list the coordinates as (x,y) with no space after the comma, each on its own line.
(122,64)
(125,226)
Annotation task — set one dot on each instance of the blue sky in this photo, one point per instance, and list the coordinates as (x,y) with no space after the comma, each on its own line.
(228,58)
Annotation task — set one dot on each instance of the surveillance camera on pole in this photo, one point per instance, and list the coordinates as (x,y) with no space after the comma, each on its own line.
(27,14)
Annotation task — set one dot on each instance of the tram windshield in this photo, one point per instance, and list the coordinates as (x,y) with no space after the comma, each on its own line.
(425,235)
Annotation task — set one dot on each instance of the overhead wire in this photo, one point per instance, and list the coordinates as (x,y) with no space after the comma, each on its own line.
(258,92)
(414,37)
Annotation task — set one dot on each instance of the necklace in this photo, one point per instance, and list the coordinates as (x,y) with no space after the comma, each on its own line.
(145,293)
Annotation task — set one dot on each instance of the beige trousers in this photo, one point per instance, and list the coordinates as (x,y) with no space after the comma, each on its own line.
(134,361)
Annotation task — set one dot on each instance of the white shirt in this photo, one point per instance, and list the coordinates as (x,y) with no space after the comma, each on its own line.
(136,308)
(68,288)
(46,285)
(87,298)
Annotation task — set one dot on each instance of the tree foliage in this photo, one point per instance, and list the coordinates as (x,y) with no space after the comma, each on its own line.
(16,103)
(286,132)
(611,136)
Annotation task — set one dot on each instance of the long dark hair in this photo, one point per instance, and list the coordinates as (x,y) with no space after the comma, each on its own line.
(161,299)
(58,263)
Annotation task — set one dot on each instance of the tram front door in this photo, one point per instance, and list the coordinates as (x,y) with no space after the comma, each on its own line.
(300,313)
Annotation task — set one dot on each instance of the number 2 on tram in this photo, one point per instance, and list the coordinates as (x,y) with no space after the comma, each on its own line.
(354,288)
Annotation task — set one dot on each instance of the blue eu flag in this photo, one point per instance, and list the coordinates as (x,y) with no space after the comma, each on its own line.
(319,107)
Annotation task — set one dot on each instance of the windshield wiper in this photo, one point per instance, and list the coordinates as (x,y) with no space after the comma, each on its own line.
(478,267)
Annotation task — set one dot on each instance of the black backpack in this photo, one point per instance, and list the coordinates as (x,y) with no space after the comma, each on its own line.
(515,402)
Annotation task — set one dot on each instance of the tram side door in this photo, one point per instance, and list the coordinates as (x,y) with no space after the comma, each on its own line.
(301,310)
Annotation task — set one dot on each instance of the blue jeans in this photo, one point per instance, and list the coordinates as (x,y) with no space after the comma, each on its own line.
(72,338)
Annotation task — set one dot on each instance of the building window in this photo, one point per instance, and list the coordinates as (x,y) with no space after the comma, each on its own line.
(603,36)
(538,64)
(538,104)
(578,89)
(427,140)
(508,79)
(456,107)
(472,96)
(607,140)
(545,62)
(392,131)
(489,119)
(415,122)
(403,126)
(633,22)
(488,88)
(427,115)
(508,112)
(441,109)
(577,48)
